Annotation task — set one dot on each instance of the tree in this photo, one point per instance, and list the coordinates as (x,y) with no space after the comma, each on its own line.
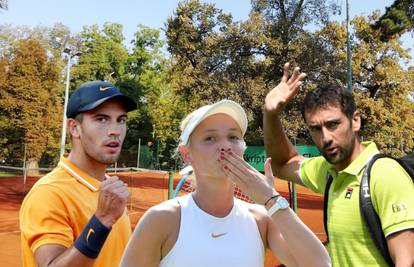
(54,40)
(217,58)
(397,19)
(146,79)
(194,44)
(383,87)
(103,54)
(30,102)
(284,23)
(3,4)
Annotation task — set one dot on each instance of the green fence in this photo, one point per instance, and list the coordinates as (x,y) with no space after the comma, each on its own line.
(256,155)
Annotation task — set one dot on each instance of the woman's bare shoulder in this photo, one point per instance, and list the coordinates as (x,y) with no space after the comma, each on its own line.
(166,210)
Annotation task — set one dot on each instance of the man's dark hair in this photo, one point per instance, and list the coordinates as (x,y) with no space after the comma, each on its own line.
(79,117)
(334,95)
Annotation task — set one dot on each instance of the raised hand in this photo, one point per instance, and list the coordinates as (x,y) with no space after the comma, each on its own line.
(113,196)
(257,186)
(277,98)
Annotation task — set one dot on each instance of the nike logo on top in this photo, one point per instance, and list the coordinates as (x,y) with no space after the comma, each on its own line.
(218,235)
(103,88)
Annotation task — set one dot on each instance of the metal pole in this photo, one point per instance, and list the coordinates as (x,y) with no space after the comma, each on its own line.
(24,168)
(170,183)
(156,155)
(63,137)
(295,201)
(348,51)
(139,151)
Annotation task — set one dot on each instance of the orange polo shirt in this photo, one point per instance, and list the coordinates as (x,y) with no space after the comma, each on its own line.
(57,209)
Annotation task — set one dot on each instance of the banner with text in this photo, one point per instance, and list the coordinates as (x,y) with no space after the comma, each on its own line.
(256,155)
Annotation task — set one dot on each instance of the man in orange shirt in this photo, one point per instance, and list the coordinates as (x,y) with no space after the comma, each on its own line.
(75,215)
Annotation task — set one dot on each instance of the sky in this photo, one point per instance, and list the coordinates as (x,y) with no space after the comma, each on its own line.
(151,13)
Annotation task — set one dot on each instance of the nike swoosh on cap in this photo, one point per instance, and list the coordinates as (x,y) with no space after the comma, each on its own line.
(101,88)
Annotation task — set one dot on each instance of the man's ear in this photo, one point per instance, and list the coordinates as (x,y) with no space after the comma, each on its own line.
(74,128)
(185,154)
(356,121)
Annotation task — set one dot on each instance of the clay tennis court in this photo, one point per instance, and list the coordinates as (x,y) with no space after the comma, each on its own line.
(147,189)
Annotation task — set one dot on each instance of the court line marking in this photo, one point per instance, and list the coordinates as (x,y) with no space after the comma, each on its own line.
(9,219)
(11,232)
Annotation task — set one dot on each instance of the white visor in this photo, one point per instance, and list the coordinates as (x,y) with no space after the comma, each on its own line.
(225,106)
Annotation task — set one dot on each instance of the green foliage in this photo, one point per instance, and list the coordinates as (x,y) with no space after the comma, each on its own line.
(140,73)
(212,57)
(398,18)
(30,101)
(53,40)
(217,58)
(410,11)
(146,71)
(103,54)
(382,88)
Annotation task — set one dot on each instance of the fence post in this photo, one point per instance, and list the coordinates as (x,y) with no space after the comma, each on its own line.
(24,168)
(139,151)
(157,163)
(295,201)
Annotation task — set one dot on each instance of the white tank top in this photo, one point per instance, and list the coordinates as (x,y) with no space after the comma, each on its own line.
(208,241)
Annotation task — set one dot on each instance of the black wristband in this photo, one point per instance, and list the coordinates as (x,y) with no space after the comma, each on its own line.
(92,238)
(270,198)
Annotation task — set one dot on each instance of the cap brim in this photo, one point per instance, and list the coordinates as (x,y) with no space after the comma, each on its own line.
(126,101)
(231,109)
(227,107)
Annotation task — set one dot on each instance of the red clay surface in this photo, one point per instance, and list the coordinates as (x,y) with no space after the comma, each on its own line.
(147,189)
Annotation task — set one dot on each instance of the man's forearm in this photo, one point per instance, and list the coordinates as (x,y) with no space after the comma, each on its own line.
(71,257)
(84,251)
(285,160)
(277,144)
(401,248)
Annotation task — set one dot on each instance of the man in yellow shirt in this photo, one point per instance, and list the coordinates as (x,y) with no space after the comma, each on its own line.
(75,215)
(334,121)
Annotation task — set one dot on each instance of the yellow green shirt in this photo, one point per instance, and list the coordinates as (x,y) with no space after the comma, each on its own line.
(392,193)
(58,207)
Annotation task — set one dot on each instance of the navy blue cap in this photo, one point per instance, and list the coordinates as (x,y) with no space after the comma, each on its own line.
(92,94)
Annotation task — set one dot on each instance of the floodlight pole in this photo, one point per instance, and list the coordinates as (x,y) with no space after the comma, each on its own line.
(70,54)
(348,51)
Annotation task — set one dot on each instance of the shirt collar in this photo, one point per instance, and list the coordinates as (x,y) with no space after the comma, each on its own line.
(370,149)
(85,179)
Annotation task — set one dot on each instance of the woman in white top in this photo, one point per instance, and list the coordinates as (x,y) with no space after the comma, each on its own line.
(211,228)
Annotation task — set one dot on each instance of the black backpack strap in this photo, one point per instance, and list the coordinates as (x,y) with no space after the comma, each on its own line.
(407,162)
(329,180)
(371,218)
